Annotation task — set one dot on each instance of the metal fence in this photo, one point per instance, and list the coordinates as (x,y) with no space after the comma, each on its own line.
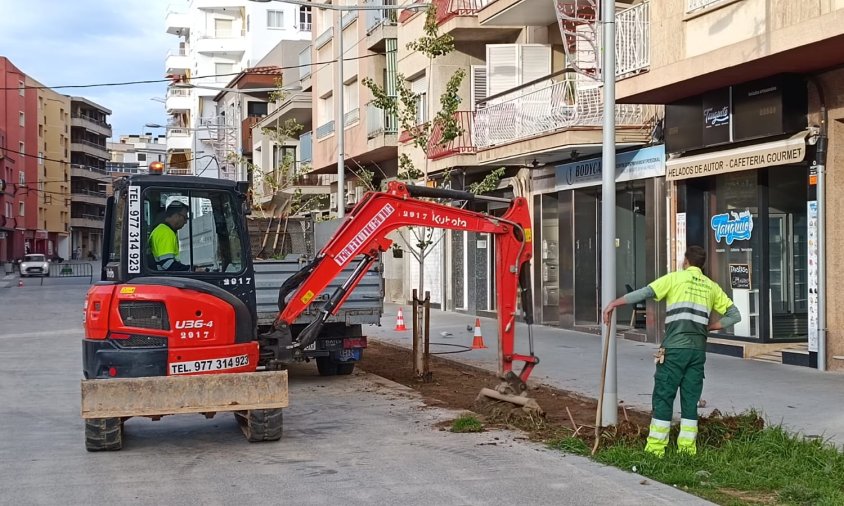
(70,270)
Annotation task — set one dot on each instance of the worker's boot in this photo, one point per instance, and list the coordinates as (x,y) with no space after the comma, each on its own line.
(686,441)
(658,437)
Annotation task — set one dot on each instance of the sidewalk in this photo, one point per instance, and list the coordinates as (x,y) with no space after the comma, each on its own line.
(800,398)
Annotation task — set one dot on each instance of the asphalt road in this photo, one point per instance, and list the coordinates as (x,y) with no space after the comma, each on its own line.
(353,440)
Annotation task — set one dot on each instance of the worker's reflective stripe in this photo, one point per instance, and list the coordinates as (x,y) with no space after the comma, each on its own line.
(659,429)
(688,430)
(164,257)
(686,307)
(703,320)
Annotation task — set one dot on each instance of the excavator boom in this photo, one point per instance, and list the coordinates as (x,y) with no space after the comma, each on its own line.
(364,235)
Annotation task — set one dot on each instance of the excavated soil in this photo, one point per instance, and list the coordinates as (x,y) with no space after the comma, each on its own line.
(456,386)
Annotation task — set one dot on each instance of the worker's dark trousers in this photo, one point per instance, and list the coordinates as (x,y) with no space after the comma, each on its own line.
(683,369)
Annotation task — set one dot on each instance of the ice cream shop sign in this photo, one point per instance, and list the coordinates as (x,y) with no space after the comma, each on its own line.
(732,226)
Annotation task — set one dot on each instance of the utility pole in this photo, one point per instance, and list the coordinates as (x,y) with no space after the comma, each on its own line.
(340,126)
(609,410)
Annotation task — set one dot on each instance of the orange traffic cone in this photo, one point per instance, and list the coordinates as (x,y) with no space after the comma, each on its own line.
(478,341)
(400,321)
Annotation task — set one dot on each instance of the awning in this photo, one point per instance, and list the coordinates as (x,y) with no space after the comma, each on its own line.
(768,154)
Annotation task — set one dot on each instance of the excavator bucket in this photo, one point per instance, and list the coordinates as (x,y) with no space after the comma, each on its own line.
(513,391)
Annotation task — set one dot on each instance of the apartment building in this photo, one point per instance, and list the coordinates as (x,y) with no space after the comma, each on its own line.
(52,233)
(753,89)
(217,39)
(18,163)
(89,178)
(133,153)
(533,105)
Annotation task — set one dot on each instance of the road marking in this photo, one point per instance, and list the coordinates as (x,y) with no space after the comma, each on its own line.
(50,333)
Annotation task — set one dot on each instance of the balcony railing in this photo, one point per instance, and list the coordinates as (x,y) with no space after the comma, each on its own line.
(351,116)
(325,130)
(89,168)
(178,92)
(697,5)
(633,39)
(460,145)
(306,147)
(305,63)
(531,112)
(374,19)
(91,119)
(222,34)
(380,122)
(88,143)
(324,37)
(88,193)
(305,26)
(450,9)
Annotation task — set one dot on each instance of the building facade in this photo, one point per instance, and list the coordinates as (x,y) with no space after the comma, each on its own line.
(18,164)
(217,41)
(52,235)
(89,178)
(752,123)
(133,153)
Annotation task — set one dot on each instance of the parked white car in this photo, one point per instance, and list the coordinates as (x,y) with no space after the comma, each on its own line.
(35,265)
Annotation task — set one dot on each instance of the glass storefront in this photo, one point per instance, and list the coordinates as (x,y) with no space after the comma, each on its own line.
(753,225)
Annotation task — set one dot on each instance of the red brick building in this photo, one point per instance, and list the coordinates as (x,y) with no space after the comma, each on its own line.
(18,163)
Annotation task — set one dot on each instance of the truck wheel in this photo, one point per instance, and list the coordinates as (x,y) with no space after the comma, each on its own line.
(261,424)
(326,366)
(103,434)
(345,368)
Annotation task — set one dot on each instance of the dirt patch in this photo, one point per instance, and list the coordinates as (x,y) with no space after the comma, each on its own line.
(457,385)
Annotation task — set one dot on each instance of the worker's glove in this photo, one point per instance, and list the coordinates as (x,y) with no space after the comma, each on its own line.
(659,357)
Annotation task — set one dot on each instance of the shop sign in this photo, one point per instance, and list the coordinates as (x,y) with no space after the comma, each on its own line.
(629,166)
(771,106)
(716,117)
(740,276)
(41,234)
(732,226)
(769,154)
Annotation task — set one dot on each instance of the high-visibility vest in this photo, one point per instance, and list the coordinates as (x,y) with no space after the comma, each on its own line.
(164,246)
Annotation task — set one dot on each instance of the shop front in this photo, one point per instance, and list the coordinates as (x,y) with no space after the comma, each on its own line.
(567,224)
(742,188)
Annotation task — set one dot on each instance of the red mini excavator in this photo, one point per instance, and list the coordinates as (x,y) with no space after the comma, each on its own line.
(163,341)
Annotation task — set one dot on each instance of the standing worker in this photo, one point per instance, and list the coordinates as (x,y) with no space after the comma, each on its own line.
(690,298)
(164,241)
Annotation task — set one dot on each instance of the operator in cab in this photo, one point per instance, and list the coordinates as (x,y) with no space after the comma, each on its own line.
(164,239)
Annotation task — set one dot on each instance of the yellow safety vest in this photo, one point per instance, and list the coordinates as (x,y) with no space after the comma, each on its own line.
(164,245)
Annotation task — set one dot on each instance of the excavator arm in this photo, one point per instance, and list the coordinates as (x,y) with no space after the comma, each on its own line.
(364,235)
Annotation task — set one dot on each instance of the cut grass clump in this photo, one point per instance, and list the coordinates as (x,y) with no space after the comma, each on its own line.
(467,423)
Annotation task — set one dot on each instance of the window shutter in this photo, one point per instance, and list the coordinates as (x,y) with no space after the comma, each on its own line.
(535,62)
(501,67)
(479,85)
(419,86)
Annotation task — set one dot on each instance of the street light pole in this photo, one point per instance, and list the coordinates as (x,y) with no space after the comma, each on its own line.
(609,409)
(340,126)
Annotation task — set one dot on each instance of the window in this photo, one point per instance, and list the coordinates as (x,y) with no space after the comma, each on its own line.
(22,90)
(142,157)
(350,96)
(41,158)
(224,71)
(305,19)
(275,19)
(8,209)
(21,208)
(419,88)
(511,65)
(22,149)
(21,119)
(21,177)
(222,28)
(211,236)
(117,229)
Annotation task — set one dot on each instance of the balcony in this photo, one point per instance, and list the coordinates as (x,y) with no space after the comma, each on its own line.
(91,124)
(215,4)
(179,139)
(178,100)
(380,26)
(325,130)
(229,42)
(380,122)
(86,221)
(177,23)
(177,62)
(297,106)
(88,196)
(306,148)
(304,26)
(560,105)
(462,144)
(697,6)
(348,18)
(87,172)
(324,38)
(246,133)
(90,148)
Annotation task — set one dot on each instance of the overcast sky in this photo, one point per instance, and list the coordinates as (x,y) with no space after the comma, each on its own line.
(73,42)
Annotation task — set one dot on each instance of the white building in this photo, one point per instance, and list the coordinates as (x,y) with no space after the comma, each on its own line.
(218,39)
(133,153)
